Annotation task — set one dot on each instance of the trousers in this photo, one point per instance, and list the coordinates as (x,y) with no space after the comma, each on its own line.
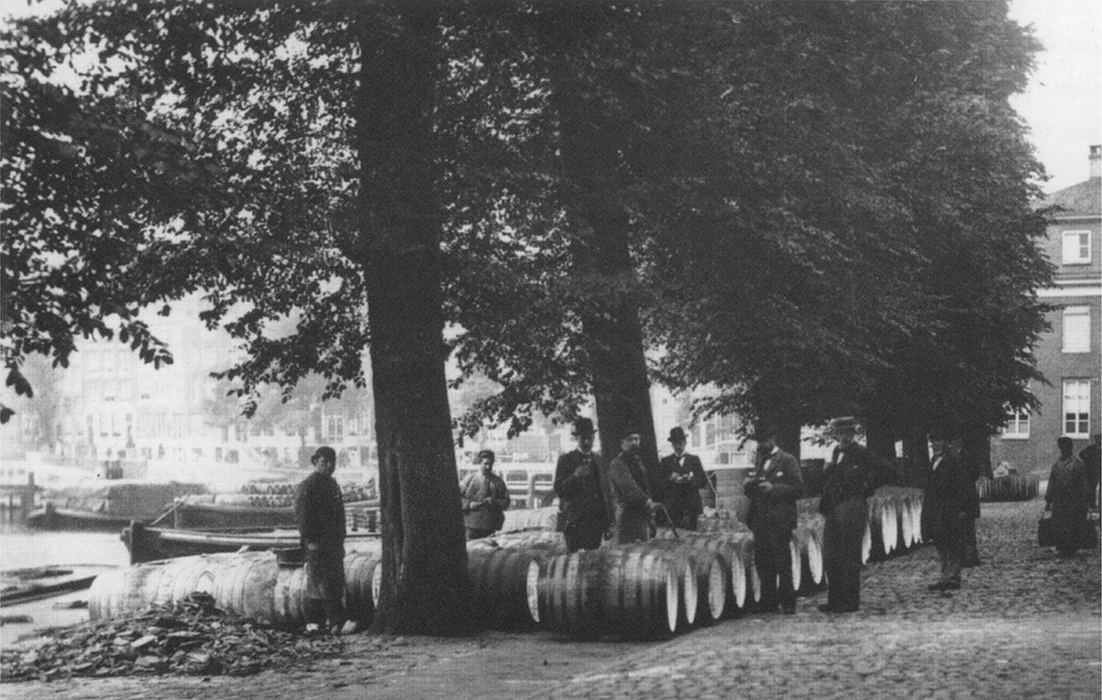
(843,532)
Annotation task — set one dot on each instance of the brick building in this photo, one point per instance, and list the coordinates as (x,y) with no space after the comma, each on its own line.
(1069,355)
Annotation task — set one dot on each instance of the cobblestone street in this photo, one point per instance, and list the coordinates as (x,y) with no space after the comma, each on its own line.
(1025,625)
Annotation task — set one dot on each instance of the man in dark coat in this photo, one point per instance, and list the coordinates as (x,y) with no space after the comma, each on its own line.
(485,499)
(1091,456)
(584,515)
(973,465)
(849,478)
(629,492)
(950,488)
(774,487)
(319,510)
(682,477)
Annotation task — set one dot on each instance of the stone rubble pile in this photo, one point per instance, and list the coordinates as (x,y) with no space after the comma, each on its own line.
(188,637)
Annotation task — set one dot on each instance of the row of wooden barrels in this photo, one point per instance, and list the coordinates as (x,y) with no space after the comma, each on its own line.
(1012,487)
(524,578)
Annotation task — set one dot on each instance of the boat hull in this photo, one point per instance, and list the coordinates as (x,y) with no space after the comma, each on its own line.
(27,585)
(50,517)
(211,516)
(147,544)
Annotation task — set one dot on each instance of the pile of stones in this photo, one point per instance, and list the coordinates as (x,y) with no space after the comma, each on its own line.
(188,637)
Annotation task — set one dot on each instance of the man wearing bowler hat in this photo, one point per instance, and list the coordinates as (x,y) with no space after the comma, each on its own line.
(682,476)
(774,487)
(580,485)
(849,479)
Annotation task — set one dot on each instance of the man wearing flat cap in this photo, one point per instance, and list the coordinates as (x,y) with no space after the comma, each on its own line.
(319,510)
(485,499)
(682,476)
(629,492)
(850,477)
(580,485)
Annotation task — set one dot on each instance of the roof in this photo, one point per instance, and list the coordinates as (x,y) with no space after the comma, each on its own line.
(1083,199)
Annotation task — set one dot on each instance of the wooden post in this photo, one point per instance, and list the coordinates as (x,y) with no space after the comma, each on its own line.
(26,499)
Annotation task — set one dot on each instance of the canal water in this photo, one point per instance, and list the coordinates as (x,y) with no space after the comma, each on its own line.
(22,548)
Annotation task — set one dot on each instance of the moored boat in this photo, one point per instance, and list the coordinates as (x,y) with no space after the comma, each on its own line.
(209,514)
(152,544)
(26,585)
(108,505)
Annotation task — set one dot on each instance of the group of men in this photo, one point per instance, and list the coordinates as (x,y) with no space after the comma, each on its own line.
(622,502)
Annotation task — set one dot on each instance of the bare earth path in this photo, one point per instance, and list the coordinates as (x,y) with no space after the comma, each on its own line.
(1025,625)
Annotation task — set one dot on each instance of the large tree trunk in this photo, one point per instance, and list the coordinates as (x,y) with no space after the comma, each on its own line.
(602,261)
(425,589)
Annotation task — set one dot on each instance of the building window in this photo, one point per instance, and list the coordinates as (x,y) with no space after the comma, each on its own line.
(1077,247)
(335,428)
(1077,329)
(1017,425)
(1077,407)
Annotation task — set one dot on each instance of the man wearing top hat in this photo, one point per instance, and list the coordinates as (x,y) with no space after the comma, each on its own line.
(849,478)
(774,487)
(584,514)
(682,476)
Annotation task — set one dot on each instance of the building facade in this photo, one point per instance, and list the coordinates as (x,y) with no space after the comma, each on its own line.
(1070,354)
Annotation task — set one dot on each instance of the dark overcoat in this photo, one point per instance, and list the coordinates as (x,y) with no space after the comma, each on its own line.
(777,509)
(583,500)
(950,495)
(629,491)
(682,498)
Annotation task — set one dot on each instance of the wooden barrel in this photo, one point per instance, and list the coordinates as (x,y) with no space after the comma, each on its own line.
(916,518)
(642,591)
(360,594)
(499,586)
(795,562)
(814,553)
(730,551)
(531,519)
(546,542)
(251,584)
(866,543)
(568,593)
(710,571)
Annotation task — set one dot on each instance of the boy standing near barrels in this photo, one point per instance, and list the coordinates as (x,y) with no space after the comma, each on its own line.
(319,510)
(773,491)
(580,486)
(485,499)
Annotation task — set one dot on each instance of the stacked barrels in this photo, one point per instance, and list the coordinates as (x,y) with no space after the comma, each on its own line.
(894,523)
(1012,487)
(253,584)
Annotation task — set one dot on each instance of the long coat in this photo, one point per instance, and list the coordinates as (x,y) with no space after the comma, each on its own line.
(682,498)
(629,491)
(849,478)
(475,489)
(777,509)
(319,510)
(949,496)
(1069,495)
(583,500)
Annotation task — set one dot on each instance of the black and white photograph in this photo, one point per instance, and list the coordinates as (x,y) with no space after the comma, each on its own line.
(550,349)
